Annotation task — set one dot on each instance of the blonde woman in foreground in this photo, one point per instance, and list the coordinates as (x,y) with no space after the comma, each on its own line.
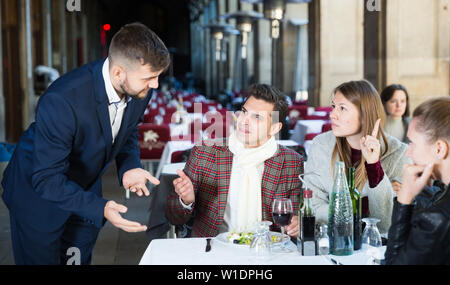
(357,138)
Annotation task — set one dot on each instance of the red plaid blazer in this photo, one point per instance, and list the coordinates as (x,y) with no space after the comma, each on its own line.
(209,168)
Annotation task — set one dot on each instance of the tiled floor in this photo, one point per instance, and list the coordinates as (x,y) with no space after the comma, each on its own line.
(113,247)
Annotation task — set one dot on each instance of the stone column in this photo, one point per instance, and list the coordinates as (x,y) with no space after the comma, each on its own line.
(265,51)
(341,44)
(207,52)
(418,50)
(47,33)
(26,61)
(233,42)
(2,96)
(295,49)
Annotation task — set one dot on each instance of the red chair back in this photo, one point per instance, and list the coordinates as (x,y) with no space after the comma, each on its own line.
(152,140)
(177,156)
(315,117)
(311,136)
(324,109)
(301,102)
(302,109)
(326,127)
(216,130)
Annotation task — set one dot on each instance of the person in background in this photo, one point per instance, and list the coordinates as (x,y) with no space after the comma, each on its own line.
(396,104)
(420,229)
(229,184)
(357,138)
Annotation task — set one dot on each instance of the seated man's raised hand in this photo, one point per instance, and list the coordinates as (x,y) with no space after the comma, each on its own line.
(184,188)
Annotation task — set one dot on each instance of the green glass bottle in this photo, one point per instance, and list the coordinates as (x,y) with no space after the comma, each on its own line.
(357,208)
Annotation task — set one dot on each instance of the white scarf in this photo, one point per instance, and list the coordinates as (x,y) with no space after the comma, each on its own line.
(244,196)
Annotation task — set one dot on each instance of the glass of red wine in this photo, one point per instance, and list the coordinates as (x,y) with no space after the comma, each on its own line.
(282,214)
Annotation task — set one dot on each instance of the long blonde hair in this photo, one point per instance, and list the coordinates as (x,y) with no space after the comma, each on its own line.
(365,97)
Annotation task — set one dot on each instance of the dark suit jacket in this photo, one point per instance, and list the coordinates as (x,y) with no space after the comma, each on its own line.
(420,233)
(209,168)
(57,166)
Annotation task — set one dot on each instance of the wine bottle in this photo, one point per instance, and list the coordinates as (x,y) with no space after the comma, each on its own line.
(356,205)
(307,243)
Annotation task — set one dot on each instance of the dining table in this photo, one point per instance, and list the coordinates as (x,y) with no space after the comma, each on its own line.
(192,251)
(304,127)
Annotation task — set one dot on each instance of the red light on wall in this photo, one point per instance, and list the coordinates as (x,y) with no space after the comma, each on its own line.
(106,27)
(103,38)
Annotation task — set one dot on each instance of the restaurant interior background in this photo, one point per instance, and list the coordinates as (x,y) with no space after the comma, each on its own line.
(218,48)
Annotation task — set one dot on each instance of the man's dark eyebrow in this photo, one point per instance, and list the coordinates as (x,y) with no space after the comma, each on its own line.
(148,78)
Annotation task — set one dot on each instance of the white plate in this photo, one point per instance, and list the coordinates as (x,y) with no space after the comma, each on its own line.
(223,238)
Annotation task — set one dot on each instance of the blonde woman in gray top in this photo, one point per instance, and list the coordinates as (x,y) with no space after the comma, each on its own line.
(357,138)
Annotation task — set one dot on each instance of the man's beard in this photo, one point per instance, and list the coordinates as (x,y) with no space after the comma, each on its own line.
(130,93)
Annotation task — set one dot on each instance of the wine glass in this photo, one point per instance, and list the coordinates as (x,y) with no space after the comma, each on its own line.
(371,236)
(282,214)
(262,241)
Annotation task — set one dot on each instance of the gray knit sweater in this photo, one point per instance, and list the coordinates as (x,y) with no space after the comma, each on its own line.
(380,197)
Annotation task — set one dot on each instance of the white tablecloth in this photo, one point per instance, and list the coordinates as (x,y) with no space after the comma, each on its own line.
(173,146)
(172,168)
(304,127)
(169,149)
(191,251)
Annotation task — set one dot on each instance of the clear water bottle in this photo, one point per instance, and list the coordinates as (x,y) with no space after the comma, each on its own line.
(324,241)
(340,214)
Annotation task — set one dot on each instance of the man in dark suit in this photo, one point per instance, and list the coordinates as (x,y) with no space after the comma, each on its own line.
(230,184)
(87,118)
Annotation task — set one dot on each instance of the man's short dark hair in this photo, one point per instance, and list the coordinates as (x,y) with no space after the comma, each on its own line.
(136,42)
(271,95)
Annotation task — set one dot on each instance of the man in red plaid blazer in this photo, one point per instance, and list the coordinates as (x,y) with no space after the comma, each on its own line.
(204,186)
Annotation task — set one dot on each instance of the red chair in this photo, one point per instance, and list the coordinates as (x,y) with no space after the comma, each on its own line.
(301,102)
(217,130)
(150,114)
(176,156)
(326,127)
(195,133)
(170,110)
(152,140)
(324,109)
(311,136)
(301,109)
(195,108)
(315,117)
(167,118)
(223,111)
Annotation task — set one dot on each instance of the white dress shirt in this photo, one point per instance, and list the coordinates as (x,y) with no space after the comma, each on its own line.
(116,105)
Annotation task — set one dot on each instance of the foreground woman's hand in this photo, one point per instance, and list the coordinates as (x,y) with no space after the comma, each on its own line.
(415,178)
(370,145)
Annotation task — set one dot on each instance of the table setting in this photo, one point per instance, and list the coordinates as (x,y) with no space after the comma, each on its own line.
(195,251)
(264,247)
